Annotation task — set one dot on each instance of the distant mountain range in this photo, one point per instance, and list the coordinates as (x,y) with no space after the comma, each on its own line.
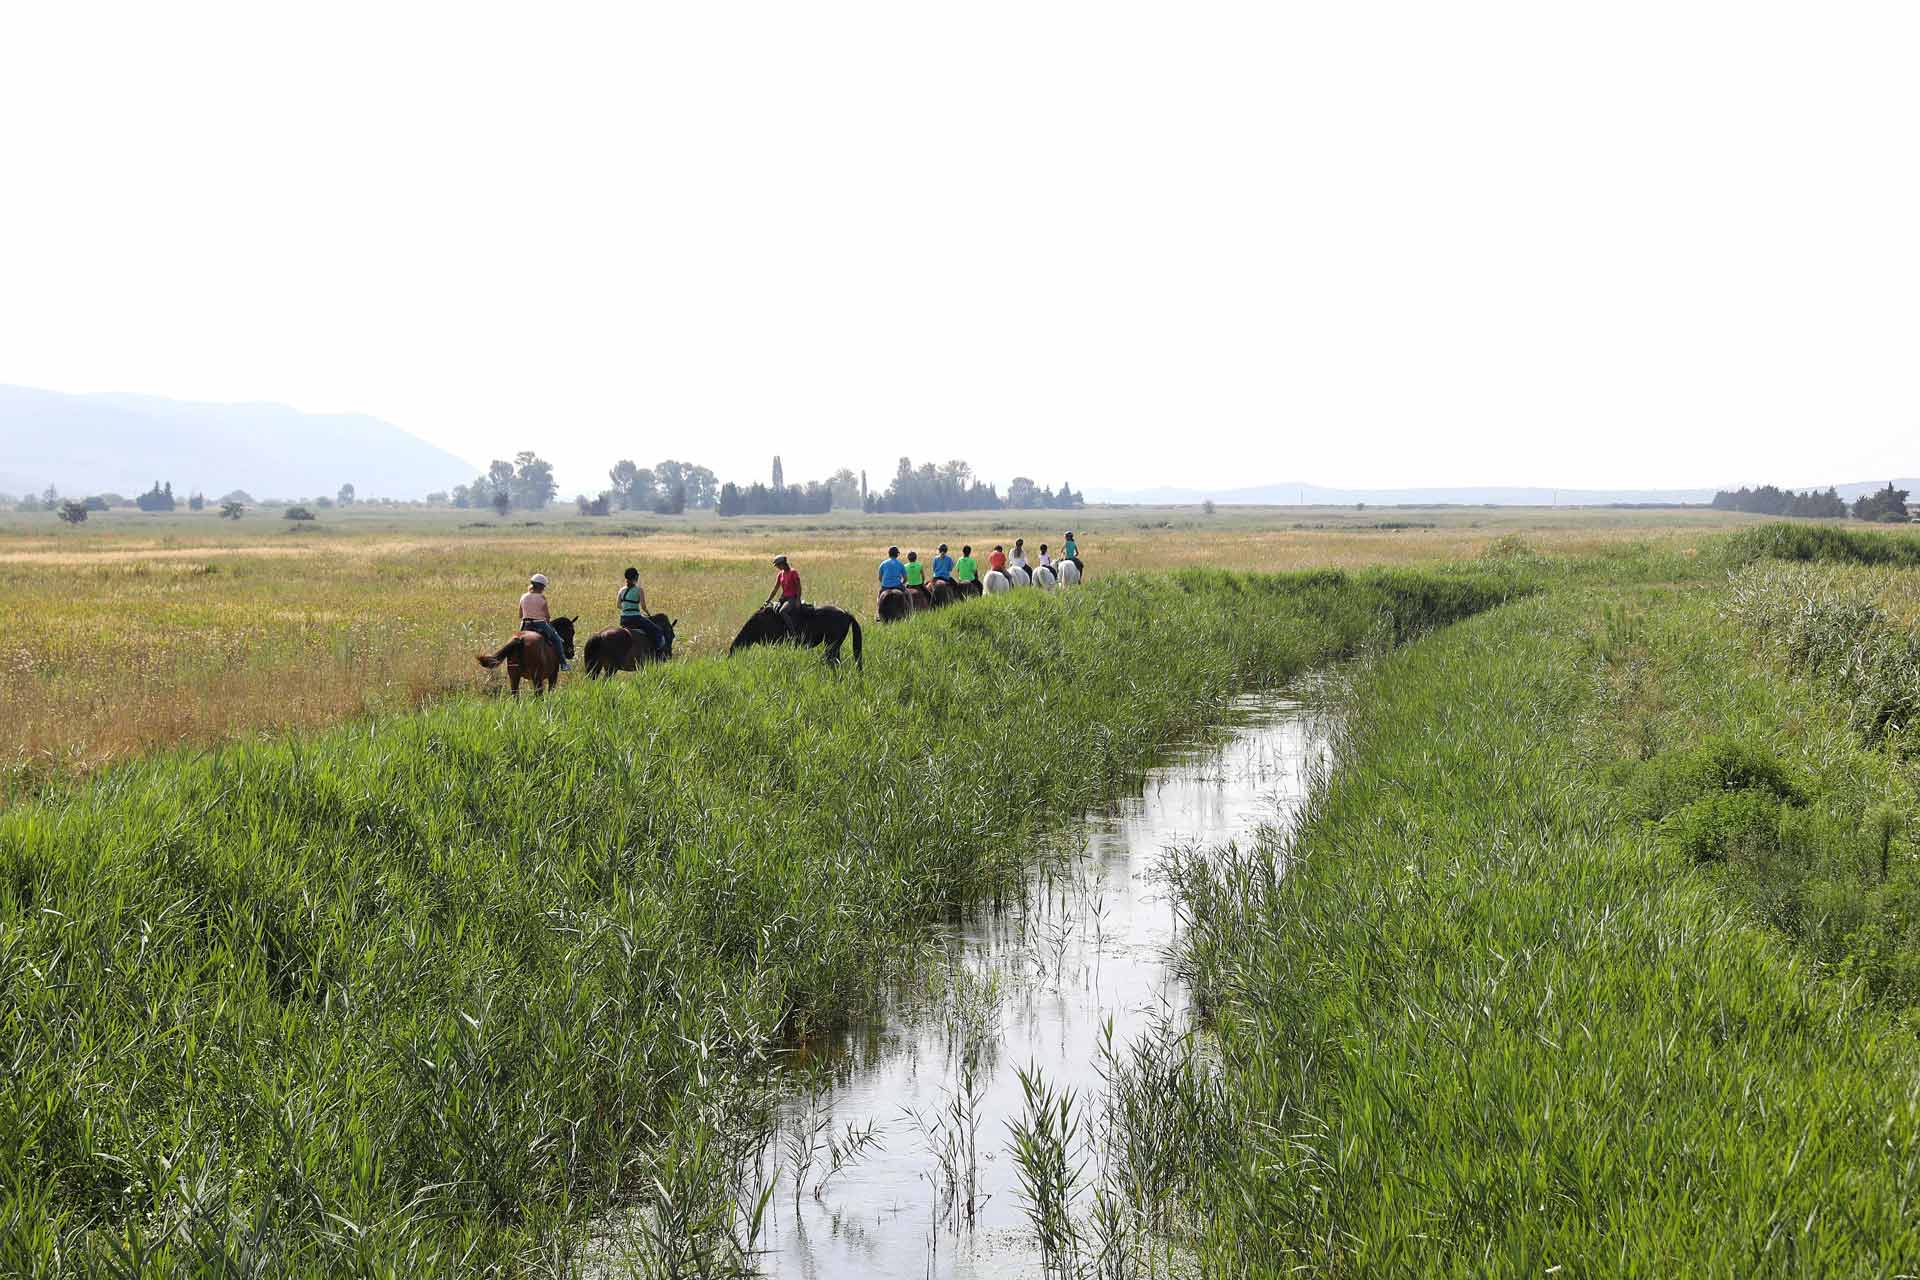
(124,443)
(1313,495)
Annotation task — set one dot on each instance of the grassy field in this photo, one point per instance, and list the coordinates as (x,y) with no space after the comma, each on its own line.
(415,996)
(1597,954)
(134,632)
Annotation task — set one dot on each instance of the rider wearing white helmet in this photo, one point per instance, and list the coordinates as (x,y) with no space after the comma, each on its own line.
(535,616)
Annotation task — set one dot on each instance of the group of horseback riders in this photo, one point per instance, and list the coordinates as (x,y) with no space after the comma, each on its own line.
(904,585)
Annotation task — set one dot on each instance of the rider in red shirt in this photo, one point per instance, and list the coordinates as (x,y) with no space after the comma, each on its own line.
(786,585)
(998,560)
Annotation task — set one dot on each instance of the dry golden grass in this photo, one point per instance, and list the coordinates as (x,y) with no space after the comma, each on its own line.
(136,632)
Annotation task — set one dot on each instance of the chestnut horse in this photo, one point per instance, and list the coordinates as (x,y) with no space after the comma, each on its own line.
(528,656)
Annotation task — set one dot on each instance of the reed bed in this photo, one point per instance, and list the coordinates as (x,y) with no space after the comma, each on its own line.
(420,994)
(1493,1009)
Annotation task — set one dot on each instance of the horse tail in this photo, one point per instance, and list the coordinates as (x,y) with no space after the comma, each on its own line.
(592,654)
(509,650)
(855,624)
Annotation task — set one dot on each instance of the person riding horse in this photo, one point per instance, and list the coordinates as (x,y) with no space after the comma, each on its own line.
(965,570)
(786,585)
(535,616)
(632,602)
(893,575)
(917,578)
(943,565)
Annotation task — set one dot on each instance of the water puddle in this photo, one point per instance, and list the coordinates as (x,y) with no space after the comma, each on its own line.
(892,1158)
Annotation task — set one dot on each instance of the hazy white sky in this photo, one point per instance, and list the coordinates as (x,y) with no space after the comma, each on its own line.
(1116,243)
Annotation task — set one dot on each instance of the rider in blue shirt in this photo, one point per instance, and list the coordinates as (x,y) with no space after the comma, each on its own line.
(943,564)
(892,572)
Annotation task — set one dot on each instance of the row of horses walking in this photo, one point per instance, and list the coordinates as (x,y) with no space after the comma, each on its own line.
(530,656)
(896,603)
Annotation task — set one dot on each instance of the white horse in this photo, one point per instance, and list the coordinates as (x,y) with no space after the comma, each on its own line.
(1069,573)
(997,583)
(1019,575)
(1043,578)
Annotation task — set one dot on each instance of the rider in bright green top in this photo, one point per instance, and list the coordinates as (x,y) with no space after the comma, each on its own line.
(964,569)
(916,572)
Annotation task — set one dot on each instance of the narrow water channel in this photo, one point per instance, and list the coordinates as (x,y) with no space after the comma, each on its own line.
(902,1124)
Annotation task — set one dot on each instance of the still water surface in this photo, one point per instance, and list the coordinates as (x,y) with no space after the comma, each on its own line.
(1039,984)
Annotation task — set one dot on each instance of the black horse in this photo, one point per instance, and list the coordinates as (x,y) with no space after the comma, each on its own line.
(813,625)
(621,649)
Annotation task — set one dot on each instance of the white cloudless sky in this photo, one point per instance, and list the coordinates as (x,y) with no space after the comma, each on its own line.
(1114,243)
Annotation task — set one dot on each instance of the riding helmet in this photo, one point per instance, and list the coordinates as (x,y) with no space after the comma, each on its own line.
(538,579)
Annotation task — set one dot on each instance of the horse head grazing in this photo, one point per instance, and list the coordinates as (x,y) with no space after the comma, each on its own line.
(565,627)
(762,628)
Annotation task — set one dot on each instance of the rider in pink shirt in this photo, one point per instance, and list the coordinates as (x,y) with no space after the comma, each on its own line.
(535,616)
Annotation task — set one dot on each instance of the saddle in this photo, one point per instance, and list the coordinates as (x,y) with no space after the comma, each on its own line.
(559,651)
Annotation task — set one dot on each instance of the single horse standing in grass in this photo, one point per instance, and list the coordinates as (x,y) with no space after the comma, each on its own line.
(625,649)
(813,625)
(530,656)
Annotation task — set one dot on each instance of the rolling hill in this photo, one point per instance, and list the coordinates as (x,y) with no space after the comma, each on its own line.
(124,443)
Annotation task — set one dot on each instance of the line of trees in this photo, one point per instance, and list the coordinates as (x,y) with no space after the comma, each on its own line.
(815,498)
(952,486)
(1771,500)
(1885,506)
(667,488)
(526,482)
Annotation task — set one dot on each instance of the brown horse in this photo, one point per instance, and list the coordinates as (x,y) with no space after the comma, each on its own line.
(894,604)
(945,591)
(528,656)
(621,649)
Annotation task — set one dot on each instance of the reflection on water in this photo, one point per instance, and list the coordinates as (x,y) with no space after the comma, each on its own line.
(914,1099)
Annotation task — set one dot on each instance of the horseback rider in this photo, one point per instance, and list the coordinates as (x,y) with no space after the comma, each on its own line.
(964,569)
(535,616)
(1046,561)
(1070,550)
(997,561)
(916,572)
(786,585)
(633,612)
(943,565)
(893,574)
(1019,556)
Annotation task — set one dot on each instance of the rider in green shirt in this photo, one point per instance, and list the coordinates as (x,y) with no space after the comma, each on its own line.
(916,572)
(633,612)
(964,569)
